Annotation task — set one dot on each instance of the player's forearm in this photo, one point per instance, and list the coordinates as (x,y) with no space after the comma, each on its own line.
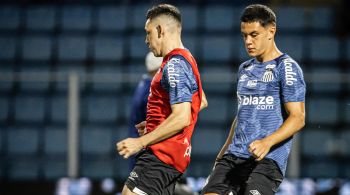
(228,140)
(171,126)
(291,126)
(204,102)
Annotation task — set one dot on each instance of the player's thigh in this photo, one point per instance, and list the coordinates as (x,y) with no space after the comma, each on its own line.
(259,184)
(126,191)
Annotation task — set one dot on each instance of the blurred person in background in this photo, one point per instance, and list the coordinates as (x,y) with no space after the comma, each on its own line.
(175,99)
(271,95)
(140,98)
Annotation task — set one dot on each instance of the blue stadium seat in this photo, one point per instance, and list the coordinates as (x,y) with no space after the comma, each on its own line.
(189,15)
(66,69)
(6,84)
(108,48)
(138,47)
(40,18)
(76,18)
(36,47)
(290,18)
(200,139)
(7,47)
(324,48)
(72,47)
(217,78)
(217,48)
(35,71)
(218,18)
(22,141)
(9,17)
(138,16)
(348,49)
(316,142)
(97,168)
(347,110)
(345,137)
(102,108)
(201,167)
(96,140)
(322,111)
(292,45)
(324,79)
(29,108)
(120,133)
(59,108)
(55,142)
(217,111)
(321,18)
(112,18)
(55,168)
(4,105)
(190,42)
(24,169)
(320,169)
(113,72)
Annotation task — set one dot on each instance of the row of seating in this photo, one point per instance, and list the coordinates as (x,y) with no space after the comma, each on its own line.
(121,18)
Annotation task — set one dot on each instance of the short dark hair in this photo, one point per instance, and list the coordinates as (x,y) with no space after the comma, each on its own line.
(259,13)
(164,9)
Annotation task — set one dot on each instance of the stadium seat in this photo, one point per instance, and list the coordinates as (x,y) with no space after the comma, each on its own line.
(347,111)
(322,111)
(200,139)
(55,142)
(317,142)
(105,72)
(39,72)
(59,109)
(9,18)
(24,169)
(6,84)
(96,140)
(76,18)
(40,18)
(320,169)
(217,111)
(290,18)
(7,47)
(55,168)
(36,47)
(190,42)
(22,141)
(345,137)
(138,17)
(321,19)
(4,105)
(138,47)
(348,49)
(72,47)
(66,69)
(217,75)
(112,18)
(324,48)
(218,18)
(190,17)
(217,48)
(102,108)
(97,168)
(292,45)
(200,167)
(108,48)
(29,108)
(325,79)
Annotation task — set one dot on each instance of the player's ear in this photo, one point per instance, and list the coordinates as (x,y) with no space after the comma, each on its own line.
(272,31)
(159,31)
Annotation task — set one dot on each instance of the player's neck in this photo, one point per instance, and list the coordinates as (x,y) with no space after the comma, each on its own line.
(172,44)
(270,54)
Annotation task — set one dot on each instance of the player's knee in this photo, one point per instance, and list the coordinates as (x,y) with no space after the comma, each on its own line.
(127,191)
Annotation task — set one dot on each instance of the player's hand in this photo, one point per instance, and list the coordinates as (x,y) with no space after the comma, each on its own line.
(141,128)
(259,149)
(128,147)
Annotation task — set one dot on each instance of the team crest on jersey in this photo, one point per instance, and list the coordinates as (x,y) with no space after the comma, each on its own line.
(268,75)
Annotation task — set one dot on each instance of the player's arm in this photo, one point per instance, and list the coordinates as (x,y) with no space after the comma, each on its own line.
(294,122)
(204,102)
(228,140)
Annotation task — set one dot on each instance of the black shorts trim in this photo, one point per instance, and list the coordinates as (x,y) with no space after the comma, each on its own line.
(152,176)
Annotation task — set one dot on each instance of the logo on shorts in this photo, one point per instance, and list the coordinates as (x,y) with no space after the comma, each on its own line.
(254,192)
(133,175)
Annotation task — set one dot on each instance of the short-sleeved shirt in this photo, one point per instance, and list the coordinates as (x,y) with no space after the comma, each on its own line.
(262,89)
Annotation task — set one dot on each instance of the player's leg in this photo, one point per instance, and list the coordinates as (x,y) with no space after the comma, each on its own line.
(150,176)
(226,178)
(264,180)
(126,191)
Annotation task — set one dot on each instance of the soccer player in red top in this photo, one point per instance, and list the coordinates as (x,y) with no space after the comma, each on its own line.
(175,99)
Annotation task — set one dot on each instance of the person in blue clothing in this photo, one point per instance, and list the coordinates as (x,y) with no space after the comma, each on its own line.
(271,109)
(140,97)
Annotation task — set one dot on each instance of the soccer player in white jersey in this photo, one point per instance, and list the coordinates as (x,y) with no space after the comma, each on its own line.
(271,96)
